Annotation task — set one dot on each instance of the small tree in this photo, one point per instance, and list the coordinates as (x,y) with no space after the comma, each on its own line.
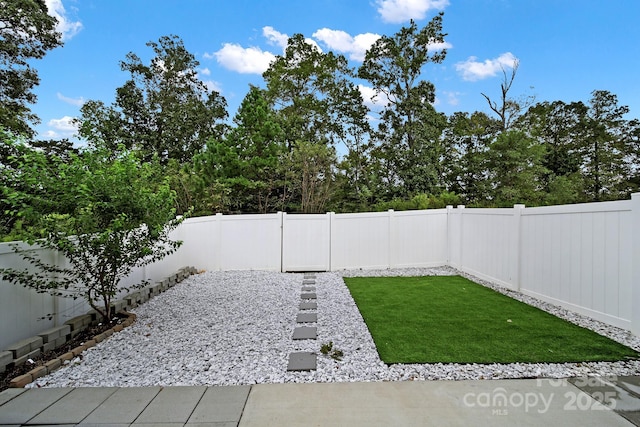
(106,215)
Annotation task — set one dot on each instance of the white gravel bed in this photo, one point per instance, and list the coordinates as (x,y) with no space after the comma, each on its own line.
(232,328)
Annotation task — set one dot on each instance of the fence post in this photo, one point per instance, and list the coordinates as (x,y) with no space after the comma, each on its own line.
(283,220)
(449,219)
(461,242)
(332,218)
(218,243)
(635,265)
(329,216)
(390,237)
(517,235)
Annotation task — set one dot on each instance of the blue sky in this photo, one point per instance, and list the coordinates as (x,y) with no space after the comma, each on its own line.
(565,48)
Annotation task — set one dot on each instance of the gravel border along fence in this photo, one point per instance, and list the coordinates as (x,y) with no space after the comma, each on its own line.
(232,328)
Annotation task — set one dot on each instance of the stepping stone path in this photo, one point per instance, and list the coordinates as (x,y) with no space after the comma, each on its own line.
(305,361)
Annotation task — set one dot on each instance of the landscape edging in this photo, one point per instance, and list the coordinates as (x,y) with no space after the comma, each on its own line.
(52,365)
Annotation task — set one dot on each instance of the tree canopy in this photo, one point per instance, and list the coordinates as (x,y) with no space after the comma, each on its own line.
(106,215)
(305,140)
(27,32)
(164,110)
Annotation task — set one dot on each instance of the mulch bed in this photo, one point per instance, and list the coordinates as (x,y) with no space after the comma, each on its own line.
(84,336)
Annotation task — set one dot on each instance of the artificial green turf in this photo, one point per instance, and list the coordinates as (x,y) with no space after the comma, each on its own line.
(449,319)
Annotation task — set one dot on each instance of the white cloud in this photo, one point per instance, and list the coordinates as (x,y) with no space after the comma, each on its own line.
(73,101)
(251,60)
(398,11)
(61,128)
(65,25)
(343,42)
(212,85)
(453,98)
(473,70)
(275,37)
(371,98)
(439,46)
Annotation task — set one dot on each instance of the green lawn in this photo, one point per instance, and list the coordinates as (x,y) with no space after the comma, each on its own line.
(450,319)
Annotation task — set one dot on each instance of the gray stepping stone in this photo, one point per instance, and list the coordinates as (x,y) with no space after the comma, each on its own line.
(307,317)
(308,295)
(308,306)
(309,282)
(303,361)
(305,333)
(308,289)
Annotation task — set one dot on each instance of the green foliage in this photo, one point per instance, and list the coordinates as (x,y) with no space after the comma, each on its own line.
(311,174)
(105,214)
(14,181)
(164,110)
(249,162)
(590,149)
(514,161)
(420,201)
(314,95)
(326,348)
(605,148)
(318,107)
(329,350)
(466,143)
(27,32)
(409,151)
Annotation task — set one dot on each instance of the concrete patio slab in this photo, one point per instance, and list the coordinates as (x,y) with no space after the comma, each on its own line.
(74,407)
(171,405)
(622,394)
(123,406)
(220,405)
(10,394)
(29,404)
(543,402)
(417,403)
(609,391)
(305,333)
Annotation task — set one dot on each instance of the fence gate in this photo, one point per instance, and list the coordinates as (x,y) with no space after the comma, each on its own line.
(306,242)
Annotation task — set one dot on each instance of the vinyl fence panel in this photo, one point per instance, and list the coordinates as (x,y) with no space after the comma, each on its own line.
(361,240)
(488,244)
(418,238)
(581,256)
(306,242)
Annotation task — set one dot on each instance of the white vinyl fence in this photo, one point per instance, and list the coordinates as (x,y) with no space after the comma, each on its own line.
(584,257)
(25,313)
